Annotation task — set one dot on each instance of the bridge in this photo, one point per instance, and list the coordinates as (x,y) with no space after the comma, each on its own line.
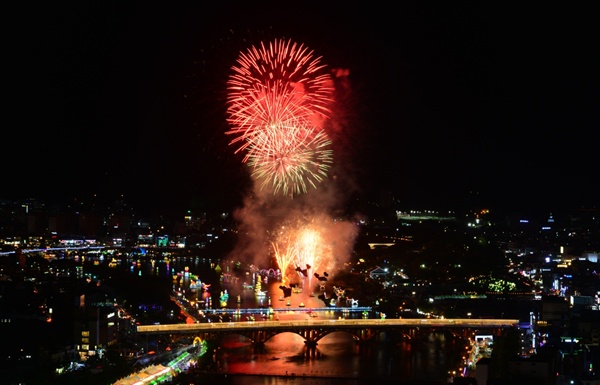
(312,330)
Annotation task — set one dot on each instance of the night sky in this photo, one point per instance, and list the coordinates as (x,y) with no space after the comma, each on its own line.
(445,104)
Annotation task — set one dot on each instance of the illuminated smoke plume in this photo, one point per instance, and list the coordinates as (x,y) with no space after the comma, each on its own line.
(279,103)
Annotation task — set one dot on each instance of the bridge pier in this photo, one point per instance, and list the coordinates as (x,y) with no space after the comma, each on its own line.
(311,352)
(362,343)
(258,346)
(366,335)
(310,336)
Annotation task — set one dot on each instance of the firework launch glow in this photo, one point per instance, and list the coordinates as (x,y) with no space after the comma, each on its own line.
(278,100)
(299,248)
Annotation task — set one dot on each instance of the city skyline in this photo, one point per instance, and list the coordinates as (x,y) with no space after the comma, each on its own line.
(440,104)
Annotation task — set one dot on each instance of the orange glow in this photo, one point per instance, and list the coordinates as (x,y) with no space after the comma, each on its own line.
(303,247)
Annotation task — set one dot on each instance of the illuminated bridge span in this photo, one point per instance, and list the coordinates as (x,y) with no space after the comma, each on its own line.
(312,330)
(336,309)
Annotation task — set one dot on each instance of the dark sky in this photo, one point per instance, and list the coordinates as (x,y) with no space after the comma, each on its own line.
(445,101)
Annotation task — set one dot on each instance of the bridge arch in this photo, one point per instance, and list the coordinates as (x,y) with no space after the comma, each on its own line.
(311,337)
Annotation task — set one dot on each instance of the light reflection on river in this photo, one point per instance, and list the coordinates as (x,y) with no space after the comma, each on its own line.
(337,359)
(337,355)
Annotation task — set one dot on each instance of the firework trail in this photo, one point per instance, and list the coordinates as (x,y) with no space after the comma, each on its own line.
(308,245)
(277,103)
(285,260)
(286,252)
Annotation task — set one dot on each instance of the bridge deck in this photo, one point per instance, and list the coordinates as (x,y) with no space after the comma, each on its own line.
(356,309)
(332,323)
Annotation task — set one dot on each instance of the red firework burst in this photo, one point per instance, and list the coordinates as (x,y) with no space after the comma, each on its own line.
(274,83)
(278,100)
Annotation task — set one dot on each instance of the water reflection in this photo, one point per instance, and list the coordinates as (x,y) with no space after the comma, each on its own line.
(337,355)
